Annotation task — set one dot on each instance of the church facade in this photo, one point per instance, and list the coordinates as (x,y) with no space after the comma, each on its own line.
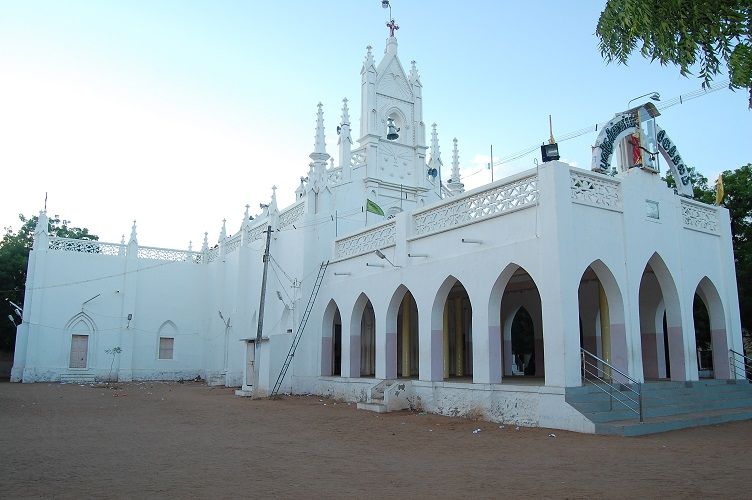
(406,291)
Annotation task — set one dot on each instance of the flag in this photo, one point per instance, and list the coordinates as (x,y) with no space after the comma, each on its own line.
(719,190)
(373,208)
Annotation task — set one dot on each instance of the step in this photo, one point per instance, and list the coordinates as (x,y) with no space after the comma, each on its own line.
(373,406)
(670,423)
(690,402)
(77,378)
(661,412)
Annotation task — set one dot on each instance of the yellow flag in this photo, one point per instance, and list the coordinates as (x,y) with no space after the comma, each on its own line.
(719,190)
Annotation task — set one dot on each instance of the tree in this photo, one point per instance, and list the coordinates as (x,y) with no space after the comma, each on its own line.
(14,259)
(708,33)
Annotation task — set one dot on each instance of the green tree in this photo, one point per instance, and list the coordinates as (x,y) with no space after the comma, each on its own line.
(738,200)
(706,33)
(701,191)
(14,259)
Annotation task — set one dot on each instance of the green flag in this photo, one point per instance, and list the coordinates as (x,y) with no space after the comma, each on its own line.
(373,208)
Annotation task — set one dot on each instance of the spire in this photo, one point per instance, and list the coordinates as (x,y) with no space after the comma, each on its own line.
(435,152)
(454,184)
(273,202)
(414,77)
(368,62)
(190,246)
(345,140)
(300,191)
(122,239)
(133,239)
(319,155)
(41,236)
(455,162)
(205,245)
(223,231)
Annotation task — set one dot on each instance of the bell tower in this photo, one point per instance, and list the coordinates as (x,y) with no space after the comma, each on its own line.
(392,133)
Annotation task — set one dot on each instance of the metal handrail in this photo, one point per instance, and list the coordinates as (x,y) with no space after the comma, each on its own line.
(596,372)
(745,363)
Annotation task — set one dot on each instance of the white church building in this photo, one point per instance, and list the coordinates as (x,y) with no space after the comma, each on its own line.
(502,302)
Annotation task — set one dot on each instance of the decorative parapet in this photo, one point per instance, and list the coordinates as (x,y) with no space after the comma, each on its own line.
(699,216)
(116,249)
(233,243)
(292,214)
(212,254)
(255,232)
(85,246)
(357,159)
(374,238)
(596,190)
(475,206)
(168,254)
(334,176)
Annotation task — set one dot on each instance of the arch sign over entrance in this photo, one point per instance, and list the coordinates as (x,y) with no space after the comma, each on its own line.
(627,127)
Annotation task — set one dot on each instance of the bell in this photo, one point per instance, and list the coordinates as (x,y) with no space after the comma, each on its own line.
(391,130)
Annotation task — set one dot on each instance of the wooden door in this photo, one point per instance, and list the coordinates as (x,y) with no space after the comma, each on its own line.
(79,351)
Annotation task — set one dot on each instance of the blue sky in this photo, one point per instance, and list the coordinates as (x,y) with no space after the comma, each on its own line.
(178,113)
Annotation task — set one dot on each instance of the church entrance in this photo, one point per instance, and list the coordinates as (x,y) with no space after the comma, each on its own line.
(407,337)
(458,336)
(368,342)
(521,320)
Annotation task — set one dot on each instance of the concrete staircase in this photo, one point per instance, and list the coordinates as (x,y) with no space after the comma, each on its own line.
(375,401)
(667,406)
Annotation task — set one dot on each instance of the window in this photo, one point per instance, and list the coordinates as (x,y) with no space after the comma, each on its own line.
(165,347)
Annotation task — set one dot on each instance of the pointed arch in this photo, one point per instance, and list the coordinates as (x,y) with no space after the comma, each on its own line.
(331,340)
(708,293)
(602,318)
(81,340)
(657,285)
(451,330)
(402,340)
(81,319)
(362,353)
(168,327)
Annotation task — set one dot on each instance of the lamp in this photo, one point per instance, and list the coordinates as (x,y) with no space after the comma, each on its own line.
(381,256)
(654,96)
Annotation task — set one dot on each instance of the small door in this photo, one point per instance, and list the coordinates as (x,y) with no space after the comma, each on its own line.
(79,351)
(250,354)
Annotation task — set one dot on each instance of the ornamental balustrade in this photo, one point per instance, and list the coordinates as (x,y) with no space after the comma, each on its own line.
(233,243)
(334,176)
(212,254)
(292,214)
(374,238)
(699,216)
(357,159)
(254,233)
(167,254)
(476,206)
(85,246)
(596,190)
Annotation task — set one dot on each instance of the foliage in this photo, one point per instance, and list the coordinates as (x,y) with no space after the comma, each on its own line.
(708,33)
(14,259)
(701,191)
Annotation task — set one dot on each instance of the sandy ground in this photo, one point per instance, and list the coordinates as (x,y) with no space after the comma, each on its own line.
(153,440)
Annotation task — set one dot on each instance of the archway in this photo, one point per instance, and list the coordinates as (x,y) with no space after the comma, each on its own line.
(515,295)
(452,318)
(331,341)
(402,342)
(81,330)
(658,335)
(368,342)
(710,332)
(602,330)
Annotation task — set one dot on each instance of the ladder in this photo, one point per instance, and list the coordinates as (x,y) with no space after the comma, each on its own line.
(301,327)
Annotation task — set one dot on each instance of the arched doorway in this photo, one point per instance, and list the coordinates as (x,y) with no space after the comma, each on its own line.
(453,311)
(402,342)
(602,324)
(521,320)
(368,342)
(710,332)
(661,334)
(331,341)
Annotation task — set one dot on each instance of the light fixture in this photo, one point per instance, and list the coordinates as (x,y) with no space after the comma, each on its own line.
(653,96)
(550,152)
(385,4)
(425,255)
(470,240)
(342,274)
(381,256)
(368,264)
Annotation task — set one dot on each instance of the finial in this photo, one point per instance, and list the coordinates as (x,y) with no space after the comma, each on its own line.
(122,239)
(551,130)
(435,151)
(369,58)
(133,239)
(223,231)
(345,113)
(392,27)
(319,152)
(455,162)
(205,245)
(190,246)
(247,208)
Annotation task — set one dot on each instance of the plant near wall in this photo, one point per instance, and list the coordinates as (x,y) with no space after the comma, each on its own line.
(113,352)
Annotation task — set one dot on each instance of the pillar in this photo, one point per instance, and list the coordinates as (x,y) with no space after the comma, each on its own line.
(406,322)
(446,340)
(459,337)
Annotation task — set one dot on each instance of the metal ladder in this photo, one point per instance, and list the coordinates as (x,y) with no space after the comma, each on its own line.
(301,327)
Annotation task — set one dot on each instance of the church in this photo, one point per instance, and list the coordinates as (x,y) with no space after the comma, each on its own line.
(558,297)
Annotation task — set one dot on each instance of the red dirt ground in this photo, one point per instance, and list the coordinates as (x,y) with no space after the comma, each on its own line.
(188,440)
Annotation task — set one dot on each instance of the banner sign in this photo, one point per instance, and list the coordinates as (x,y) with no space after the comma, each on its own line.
(679,170)
(619,127)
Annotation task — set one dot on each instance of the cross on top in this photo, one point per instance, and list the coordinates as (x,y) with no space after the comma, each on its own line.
(392,27)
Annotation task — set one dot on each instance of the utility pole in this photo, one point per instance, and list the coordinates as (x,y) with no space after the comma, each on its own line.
(257,348)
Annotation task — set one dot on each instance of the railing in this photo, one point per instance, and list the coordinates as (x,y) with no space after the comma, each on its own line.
(291,215)
(167,254)
(699,216)
(85,246)
(596,190)
(477,205)
(233,243)
(626,394)
(740,365)
(373,238)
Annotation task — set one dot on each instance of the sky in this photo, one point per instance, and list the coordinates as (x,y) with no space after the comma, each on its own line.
(178,113)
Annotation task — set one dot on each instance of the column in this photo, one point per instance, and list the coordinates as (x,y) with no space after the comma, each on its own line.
(446,340)
(406,334)
(459,337)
